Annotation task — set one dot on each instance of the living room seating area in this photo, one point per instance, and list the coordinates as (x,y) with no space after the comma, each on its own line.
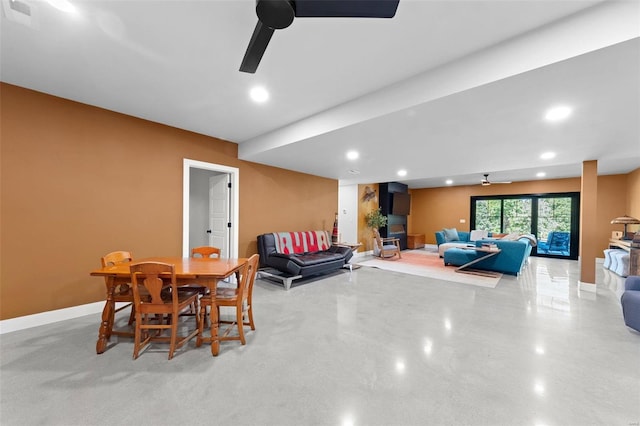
(458,248)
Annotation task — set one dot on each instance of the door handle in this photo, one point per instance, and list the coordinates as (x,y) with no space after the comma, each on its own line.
(208,231)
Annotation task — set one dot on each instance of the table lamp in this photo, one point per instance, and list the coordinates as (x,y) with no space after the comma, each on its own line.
(625,220)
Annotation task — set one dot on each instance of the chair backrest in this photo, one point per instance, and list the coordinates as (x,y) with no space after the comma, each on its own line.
(205,251)
(152,276)
(116,257)
(248,277)
(378,239)
(559,241)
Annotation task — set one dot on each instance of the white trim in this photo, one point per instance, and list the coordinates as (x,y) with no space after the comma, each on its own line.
(588,287)
(44,318)
(360,254)
(234,173)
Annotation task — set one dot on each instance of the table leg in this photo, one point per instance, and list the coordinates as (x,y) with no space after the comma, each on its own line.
(465,269)
(215,343)
(106,325)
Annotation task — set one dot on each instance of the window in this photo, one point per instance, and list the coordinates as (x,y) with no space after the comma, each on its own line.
(552,218)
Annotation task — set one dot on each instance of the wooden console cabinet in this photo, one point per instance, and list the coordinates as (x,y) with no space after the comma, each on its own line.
(415,241)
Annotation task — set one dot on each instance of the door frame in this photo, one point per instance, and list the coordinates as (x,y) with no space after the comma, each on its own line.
(234,201)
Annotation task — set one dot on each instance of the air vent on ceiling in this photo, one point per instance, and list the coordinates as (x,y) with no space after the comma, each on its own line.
(19,11)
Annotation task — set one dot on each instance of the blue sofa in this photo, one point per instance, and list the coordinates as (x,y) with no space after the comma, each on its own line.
(631,302)
(463,237)
(510,260)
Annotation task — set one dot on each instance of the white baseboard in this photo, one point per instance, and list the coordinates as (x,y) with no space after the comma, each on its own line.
(43,318)
(360,254)
(588,287)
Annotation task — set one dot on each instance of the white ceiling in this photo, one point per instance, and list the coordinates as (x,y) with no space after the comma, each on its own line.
(445,89)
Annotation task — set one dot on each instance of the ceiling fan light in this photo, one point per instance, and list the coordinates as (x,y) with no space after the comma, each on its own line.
(547,155)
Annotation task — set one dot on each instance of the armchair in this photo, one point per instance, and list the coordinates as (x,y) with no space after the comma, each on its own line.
(631,302)
(386,247)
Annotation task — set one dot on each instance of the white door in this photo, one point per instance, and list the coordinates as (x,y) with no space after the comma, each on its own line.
(219,213)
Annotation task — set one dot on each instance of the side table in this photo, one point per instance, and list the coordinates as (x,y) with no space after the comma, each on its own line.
(354,248)
(415,241)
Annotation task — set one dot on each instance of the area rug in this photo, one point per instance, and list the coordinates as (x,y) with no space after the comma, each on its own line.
(429,264)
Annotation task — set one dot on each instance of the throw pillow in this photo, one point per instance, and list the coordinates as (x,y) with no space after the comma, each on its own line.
(476,235)
(450,234)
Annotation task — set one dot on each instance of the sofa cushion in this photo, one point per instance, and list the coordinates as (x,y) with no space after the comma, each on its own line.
(446,246)
(309,259)
(450,234)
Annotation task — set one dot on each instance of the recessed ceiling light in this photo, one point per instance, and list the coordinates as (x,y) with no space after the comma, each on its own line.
(353,155)
(541,174)
(547,155)
(558,113)
(448,181)
(259,94)
(402,172)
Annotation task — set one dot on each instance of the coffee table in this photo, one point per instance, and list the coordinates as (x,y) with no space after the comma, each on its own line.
(489,252)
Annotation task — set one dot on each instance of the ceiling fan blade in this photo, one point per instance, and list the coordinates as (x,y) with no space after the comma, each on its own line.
(346,8)
(257,45)
(278,14)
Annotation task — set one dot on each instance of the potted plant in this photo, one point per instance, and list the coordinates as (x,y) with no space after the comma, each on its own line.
(375,219)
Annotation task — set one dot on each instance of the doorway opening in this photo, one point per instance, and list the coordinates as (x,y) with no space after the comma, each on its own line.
(220,195)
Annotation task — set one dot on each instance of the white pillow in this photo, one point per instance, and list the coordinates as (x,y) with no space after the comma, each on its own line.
(478,235)
(512,236)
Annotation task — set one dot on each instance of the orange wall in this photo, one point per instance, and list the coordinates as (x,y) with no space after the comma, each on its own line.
(613,192)
(633,202)
(78,182)
(366,205)
(435,208)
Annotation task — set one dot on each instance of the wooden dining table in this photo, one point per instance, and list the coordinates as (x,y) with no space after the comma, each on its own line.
(201,271)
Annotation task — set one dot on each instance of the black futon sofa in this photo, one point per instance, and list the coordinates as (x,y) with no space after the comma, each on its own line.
(296,255)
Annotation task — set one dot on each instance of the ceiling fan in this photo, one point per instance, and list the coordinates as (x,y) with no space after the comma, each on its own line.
(278,14)
(487,182)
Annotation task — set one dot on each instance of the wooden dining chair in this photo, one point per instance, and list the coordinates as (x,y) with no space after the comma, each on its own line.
(386,247)
(205,251)
(158,280)
(240,298)
(123,292)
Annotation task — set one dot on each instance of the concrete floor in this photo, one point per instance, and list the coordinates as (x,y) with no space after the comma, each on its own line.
(369,347)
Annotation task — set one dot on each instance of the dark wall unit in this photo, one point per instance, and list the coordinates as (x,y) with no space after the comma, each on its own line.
(396,223)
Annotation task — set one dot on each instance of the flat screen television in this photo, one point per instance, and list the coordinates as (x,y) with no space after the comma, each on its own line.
(401,204)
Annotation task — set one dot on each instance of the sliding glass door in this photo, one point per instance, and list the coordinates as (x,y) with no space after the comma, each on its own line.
(552,218)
